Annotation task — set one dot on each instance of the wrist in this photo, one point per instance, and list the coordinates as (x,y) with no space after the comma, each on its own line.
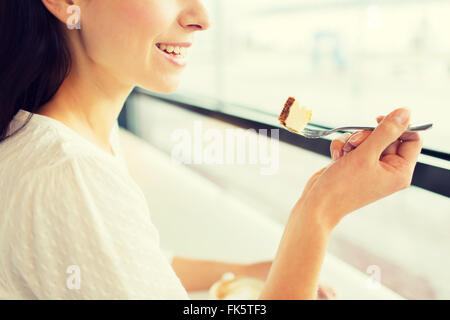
(297,265)
(314,209)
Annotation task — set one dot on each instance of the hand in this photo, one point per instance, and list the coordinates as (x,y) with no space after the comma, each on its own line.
(260,271)
(382,164)
(348,142)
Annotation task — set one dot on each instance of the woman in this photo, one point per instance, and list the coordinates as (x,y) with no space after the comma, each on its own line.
(73,224)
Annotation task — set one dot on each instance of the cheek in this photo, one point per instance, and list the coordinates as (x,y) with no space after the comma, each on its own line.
(149,17)
(119,33)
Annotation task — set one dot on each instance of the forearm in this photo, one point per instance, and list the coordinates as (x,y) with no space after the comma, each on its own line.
(201,274)
(296,269)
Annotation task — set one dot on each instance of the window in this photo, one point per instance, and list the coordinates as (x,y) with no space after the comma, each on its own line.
(348,60)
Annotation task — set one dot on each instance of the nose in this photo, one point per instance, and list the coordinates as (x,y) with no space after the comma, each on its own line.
(194,17)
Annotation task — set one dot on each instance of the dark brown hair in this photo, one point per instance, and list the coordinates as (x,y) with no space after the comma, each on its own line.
(34,58)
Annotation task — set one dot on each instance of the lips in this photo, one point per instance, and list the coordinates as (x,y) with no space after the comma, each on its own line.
(174,52)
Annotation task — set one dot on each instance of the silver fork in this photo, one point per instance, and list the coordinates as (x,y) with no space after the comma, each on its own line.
(314,134)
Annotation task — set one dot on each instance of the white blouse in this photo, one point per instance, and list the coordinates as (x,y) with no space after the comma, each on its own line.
(73,223)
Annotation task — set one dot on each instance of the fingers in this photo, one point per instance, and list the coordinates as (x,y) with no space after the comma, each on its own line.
(410,147)
(348,142)
(392,148)
(352,141)
(387,132)
(337,145)
(398,147)
(326,292)
(355,140)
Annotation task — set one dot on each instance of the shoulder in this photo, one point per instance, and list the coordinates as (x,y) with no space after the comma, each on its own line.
(36,145)
(81,181)
(42,148)
(40,163)
(76,196)
(44,173)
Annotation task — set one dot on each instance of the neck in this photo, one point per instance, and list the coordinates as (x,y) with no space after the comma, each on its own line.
(89,102)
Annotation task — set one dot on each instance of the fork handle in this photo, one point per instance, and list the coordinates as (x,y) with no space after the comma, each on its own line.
(410,129)
(420,128)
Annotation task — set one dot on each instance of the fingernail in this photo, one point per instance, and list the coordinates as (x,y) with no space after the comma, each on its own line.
(347,147)
(355,137)
(335,155)
(343,138)
(401,116)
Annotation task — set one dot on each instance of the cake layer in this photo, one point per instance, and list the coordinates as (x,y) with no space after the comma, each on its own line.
(294,117)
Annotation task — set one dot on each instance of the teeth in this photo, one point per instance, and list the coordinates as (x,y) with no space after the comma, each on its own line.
(176,51)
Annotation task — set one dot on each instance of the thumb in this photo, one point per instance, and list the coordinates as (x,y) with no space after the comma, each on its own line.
(388,131)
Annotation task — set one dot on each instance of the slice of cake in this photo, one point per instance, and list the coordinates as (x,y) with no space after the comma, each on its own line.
(294,117)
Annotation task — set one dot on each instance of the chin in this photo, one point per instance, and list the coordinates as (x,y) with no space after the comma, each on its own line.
(164,87)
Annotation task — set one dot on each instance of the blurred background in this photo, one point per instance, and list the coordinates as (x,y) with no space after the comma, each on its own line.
(349,61)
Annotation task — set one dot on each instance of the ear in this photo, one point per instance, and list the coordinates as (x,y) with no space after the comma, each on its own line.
(59,8)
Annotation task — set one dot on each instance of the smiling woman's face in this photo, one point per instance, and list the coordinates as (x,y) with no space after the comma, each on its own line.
(132,38)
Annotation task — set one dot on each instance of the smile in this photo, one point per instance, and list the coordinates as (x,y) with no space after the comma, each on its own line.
(174,52)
